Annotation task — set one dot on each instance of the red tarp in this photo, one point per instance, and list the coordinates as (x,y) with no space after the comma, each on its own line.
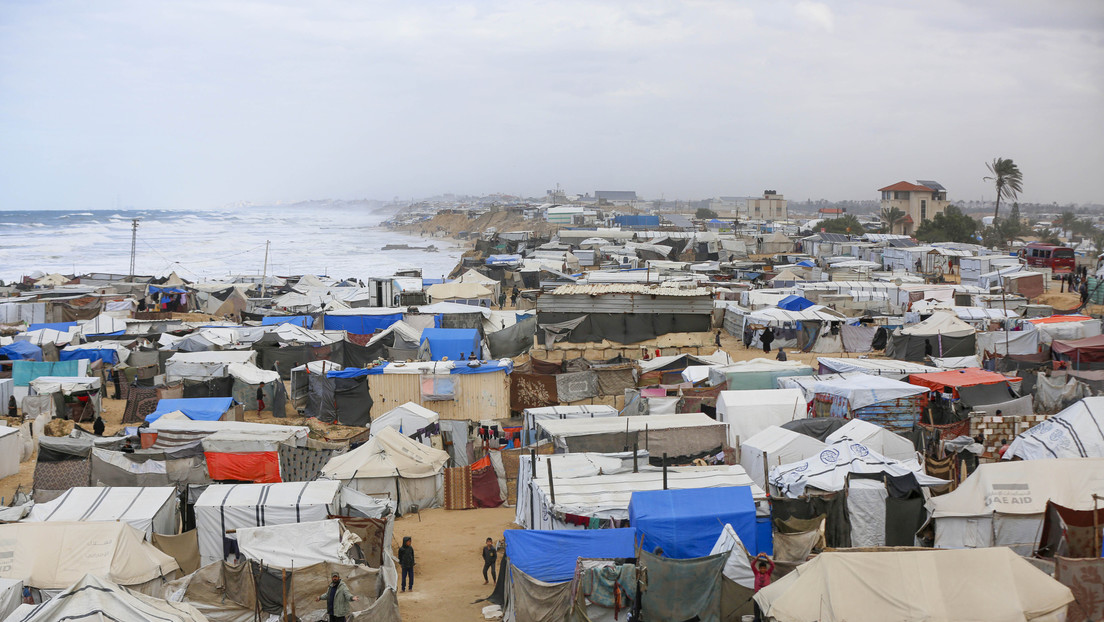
(262,467)
(485,490)
(1088,350)
(969,377)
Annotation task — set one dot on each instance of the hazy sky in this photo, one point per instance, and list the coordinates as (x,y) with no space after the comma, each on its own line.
(200,104)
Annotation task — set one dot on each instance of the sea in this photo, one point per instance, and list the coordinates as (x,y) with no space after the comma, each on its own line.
(202,245)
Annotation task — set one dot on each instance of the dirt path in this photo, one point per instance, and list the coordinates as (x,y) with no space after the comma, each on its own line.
(447,578)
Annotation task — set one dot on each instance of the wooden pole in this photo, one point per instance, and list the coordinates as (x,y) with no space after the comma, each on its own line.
(532,482)
(636,448)
(551,486)
(1096,529)
(283,595)
(665,470)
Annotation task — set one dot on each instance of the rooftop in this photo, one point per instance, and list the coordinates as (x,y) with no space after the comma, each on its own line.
(904,186)
(630,288)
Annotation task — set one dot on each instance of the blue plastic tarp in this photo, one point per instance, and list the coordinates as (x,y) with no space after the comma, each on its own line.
(108,356)
(686,523)
(550,556)
(21,351)
(806,264)
(58,326)
(503,259)
(361,324)
(794,303)
(23,372)
(455,343)
(154,289)
(299,320)
(489,367)
(352,372)
(196,408)
(637,220)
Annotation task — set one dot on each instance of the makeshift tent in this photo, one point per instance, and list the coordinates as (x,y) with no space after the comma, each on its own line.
(794,303)
(304,321)
(453,344)
(1082,353)
(748,413)
(775,446)
(531,416)
(682,435)
(11,449)
(457,290)
(21,351)
(361,321)
(245,455)
(295,545)
(1066,327)
(942,334)
(11,595)
(894,369)
(340,396)
(1073,433)
(94,598)
(52,556)
(875,437)
(552,556)
(409,419)
(687,523)
(828,471)
(952,381)
(204,365)
(224,507)
(984,584)
(195,408)
(300,379)
(394,466)
(1004,343)
(149,510)
(815,427)
(1003,503)
(889,403)
(756,374)
(108,355)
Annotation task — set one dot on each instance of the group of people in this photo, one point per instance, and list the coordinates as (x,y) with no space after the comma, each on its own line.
(1077,281)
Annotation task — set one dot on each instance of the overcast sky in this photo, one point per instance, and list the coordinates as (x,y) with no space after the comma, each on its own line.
(193,104)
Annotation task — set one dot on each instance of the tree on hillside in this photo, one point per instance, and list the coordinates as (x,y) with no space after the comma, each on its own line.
(704,213)
(1007,179)
(846,224)
(892,217)
(949,226)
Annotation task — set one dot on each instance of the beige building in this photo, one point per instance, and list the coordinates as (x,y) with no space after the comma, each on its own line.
(918,202)
(771,207)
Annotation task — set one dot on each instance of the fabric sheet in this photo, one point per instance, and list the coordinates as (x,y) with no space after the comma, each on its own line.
(184,548)
(532,391)
(537,601)
(514,340)
(458,489)
(682,589)
(303,464)
(61,476)
(866,509)
(615,379)
(1085,578)
(572,387)
(485,491)
(858,338)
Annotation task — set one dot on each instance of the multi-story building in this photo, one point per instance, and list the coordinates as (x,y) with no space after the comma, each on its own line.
(772,206)
(918,202)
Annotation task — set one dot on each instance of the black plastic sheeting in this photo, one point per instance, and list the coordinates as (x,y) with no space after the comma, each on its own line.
(983,394)
(819,428)
(345,401)
(628,327)
(514,340)
(916,348)
(213,387)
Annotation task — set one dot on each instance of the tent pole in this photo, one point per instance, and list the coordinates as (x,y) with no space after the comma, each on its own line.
(665,470)
(636,448)
(532,481)
(1004,303)
(1096,527)
(264,274)
(551,486)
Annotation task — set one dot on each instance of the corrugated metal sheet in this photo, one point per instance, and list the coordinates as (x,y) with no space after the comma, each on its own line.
(897,416)
(478,396)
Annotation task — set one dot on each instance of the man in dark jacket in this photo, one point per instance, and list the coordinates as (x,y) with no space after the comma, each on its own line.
(406,561)
(490,556)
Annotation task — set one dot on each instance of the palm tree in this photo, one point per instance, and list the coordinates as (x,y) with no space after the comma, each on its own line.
(892,217)
(1008,179)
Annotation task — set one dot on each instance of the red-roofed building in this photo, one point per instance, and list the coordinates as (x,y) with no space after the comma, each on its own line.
(918,202)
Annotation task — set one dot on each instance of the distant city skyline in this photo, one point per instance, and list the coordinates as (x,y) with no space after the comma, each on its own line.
(205,104)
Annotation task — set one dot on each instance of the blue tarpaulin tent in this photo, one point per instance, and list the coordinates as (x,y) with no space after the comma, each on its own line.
(455,343)
(196,408)
(807,263)
(21,351)
(493,260)
(686,523)
(349,372)
(58,326)
(794,303)
(550,556)
(107,355)
(361,324)
(299,320)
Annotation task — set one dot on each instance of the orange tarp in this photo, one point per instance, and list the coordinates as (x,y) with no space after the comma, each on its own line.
(971,376)
(1055,319)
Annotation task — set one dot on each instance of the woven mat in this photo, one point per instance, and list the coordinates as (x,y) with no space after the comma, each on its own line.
(458,489)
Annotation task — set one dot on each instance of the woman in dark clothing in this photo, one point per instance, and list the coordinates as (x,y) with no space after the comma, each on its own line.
(767,338)
(490,556)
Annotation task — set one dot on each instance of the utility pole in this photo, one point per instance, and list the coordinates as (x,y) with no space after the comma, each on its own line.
(133,244)
(264,275)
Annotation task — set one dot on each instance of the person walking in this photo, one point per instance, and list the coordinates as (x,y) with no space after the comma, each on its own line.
(260,399)
(406,561)
(490,556)
(767,338)
(502,300)
(12,409)
(514,296)
(718,339)
(337,599)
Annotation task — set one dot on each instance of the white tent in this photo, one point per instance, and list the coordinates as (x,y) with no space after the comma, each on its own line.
(11,595)
(1024,341)
(93,598)
(756,374)
(456,290)
(67,385)
(206,364)
(1003,504)
(678,435)
(11,449)
(933,586)
(1067,328)
(875,367)
(738,567)
(530,416)
(407,418)
(875,437)
(394,466)
(862,391)
(102,325)
(44,336)
(748,413)
(1072,433)
(52,556)
(295,545)
(775,446)
(224,506)
(149,510)
(294,433)
(829,469)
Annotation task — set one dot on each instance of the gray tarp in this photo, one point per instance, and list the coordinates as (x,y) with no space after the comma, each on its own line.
(575,386)
(339,400)
(858,338)
(514,340)
(916,347)
(683,589)
(532,600)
